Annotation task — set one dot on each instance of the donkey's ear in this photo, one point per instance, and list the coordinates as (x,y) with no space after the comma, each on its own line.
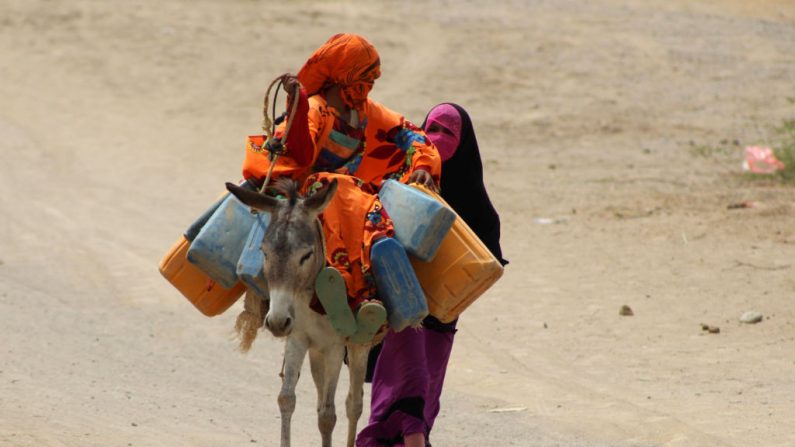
(253,198)
(317,202)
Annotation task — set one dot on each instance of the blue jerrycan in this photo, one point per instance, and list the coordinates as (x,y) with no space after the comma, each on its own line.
(250,265)
(397,285)
(420,221)
(218,246)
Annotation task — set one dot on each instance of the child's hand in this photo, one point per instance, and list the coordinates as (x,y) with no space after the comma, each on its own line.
(290,82)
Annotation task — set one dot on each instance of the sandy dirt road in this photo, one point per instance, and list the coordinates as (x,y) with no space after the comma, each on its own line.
(623,121)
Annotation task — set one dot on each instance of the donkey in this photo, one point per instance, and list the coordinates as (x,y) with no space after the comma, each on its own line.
(294,255)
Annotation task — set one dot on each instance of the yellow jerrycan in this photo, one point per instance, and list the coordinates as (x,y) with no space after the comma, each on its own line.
(460,272)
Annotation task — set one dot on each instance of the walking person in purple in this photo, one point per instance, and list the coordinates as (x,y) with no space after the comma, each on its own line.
(407,370)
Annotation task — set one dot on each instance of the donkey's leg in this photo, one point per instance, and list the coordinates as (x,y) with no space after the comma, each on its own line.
(294,353)
(326,365)
(357,366)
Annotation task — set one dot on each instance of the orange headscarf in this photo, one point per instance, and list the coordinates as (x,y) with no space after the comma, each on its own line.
(345,59)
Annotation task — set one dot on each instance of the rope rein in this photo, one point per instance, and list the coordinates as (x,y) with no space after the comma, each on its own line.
(269,127)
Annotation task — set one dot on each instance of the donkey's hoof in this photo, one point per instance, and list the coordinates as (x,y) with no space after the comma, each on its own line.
(330,288)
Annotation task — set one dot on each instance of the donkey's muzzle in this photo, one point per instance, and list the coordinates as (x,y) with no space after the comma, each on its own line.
(279,327)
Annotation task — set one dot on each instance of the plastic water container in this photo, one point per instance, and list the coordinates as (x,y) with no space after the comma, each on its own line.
(462,270)
(397,285)
(250,265)
(218,246)
(420,221)
(209,297)
(194,228)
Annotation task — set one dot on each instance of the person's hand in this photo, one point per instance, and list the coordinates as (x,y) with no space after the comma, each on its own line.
(290,82)
(424,178)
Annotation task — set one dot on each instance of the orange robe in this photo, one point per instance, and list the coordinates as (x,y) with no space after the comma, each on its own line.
(394,147)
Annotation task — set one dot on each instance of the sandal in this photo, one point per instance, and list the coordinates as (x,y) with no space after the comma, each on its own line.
(369,319)
(331,291)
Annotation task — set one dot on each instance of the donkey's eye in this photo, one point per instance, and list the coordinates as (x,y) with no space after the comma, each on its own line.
(305,257)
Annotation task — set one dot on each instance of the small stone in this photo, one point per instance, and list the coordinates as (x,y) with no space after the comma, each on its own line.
(709,328)
(133,424)
(625,311)
(545,326)
(751,317)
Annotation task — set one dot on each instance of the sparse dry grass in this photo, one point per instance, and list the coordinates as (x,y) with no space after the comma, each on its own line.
(784,148)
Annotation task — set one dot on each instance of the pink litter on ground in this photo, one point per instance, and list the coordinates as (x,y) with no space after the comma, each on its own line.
(760,160)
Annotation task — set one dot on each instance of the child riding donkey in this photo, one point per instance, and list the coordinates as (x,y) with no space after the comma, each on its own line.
(341,148)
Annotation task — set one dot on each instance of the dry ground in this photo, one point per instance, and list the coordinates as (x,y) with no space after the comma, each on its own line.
(119,122)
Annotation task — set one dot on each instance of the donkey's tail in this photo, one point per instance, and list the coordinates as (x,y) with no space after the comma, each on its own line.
(251,320)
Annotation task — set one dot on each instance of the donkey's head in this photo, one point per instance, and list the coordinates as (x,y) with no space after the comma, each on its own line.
(293,248)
